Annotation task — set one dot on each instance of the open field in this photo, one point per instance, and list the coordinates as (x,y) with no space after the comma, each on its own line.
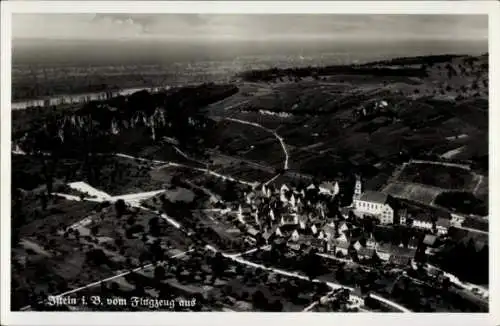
(437,175)
(413,191)
(444,184)
(381,136)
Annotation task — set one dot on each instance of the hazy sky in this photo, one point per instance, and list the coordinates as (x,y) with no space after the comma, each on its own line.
(249,27)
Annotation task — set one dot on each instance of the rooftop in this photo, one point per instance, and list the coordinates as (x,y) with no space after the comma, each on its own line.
(443,222)
(374,197)
(422,217)
(399,260)
(365,251)
(328,185)
(430,239)
(403,252)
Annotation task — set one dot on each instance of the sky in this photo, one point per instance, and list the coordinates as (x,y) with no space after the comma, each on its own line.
(249,27)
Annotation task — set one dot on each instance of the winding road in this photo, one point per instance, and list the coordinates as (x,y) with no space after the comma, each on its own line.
(235,257)
(134,200)
(131,199)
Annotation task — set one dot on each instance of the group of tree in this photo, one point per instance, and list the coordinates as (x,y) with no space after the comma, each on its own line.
(473,265)
(317,72)
(80,134)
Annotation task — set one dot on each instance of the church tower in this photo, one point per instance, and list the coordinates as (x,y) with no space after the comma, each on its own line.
(357,189)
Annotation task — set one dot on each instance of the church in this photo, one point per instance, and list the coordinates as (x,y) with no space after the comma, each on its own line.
(373,203)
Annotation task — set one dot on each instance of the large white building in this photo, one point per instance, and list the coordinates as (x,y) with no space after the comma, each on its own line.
(373,203)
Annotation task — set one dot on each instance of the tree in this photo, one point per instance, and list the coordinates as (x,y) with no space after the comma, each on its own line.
(114,287)
(157,251)
(131,220)
(119,241)
(44,201)
(76,233)
(312,265)
(218,265)
(277,306)
(154,228)
(259,300)
(375,259)
(97,257)
(143,257)
(94,230)
(159,273)
(120,208)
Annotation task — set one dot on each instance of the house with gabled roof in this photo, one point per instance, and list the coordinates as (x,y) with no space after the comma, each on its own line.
(284,188)
(329,188)
(268,236)
(341,238)
(343,226)
(271,214)
(342,246)
(383,251)
(399,260)
(289,219)
(364,252)
(312,186)
(402,251)
(321,235)
(295,236)
(429,240)
(252,231)
(370,242)
(329,230)
(302,224)
(442,225)
(422,220)
(295,246)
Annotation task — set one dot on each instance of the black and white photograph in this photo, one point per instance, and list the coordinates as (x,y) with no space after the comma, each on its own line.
(233,162)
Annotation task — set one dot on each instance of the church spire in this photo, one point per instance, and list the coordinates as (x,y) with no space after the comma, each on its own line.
(357,188)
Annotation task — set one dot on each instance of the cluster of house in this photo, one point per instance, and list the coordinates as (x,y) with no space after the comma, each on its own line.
(388,211)
(283,208)
(300,218)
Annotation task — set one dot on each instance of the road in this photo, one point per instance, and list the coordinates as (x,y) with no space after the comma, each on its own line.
(482,292)
(121,274)
(208,171)
(133,200)
(333,286)
(265,168)
(331,295)
(456,165)
(189,158)
(130,199)
(235,257)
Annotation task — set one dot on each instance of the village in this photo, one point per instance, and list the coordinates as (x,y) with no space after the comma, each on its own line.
(234,203)
(311,218)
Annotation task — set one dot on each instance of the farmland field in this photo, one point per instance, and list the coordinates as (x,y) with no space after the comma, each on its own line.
(415,192)
(437,175)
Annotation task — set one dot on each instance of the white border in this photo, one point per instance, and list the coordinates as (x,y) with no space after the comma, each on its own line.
(216,319)
(254,7)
